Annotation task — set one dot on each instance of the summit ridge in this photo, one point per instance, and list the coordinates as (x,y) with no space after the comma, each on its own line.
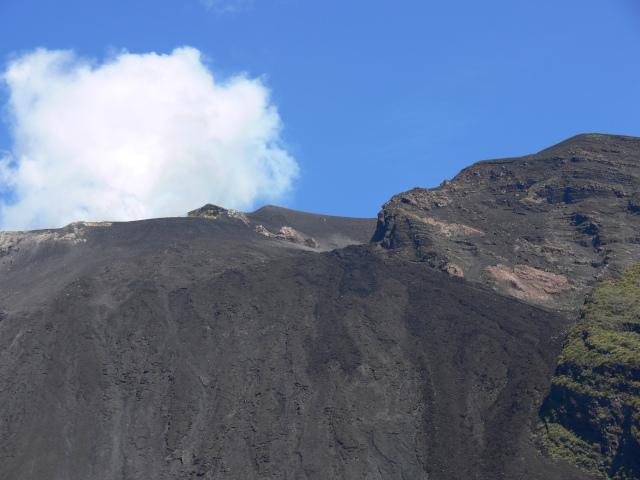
(283,344)
(540,228)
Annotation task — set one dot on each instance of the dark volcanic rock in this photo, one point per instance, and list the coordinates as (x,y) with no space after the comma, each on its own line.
(199,348)
(208,211)
(540,228)
(335,365)
(290,235)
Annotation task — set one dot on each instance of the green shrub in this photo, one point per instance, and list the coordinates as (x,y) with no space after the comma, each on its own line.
(592,414)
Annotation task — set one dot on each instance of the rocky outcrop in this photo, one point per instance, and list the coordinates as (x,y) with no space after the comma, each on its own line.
(527,283)
(288,234)
(208,211)
(540,228)
(214,211)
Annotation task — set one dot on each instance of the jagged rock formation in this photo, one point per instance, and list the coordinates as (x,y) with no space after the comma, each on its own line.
(198,347)
(540,228)
(214,211)
(208,211)
(290,235)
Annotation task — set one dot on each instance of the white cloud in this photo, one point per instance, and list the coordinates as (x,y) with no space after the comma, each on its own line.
(139,136)
(227,6)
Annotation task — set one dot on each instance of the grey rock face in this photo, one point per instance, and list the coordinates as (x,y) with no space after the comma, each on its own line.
(540,228)
(200,348)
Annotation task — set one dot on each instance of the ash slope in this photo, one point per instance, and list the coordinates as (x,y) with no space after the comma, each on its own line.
(329,365)
(36,265)
(194,347)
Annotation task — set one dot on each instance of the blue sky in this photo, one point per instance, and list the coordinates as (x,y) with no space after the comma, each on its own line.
(377,97)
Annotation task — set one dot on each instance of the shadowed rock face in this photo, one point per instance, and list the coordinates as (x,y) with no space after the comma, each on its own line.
(539,228)
(201,348)
(334,365)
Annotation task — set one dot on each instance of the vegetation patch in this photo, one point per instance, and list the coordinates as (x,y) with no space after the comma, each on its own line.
(592,414)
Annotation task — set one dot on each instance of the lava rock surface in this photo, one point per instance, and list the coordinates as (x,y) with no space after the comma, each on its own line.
(540,228)
(201,348)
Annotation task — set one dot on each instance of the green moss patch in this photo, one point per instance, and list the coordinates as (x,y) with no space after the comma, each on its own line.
(592,414)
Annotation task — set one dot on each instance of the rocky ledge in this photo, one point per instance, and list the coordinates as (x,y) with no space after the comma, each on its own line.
(540,228)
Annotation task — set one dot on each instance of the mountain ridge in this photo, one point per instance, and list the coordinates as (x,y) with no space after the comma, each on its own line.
(205,347)
(541,228)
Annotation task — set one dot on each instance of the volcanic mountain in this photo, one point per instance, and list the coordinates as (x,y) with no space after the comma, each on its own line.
(283,344)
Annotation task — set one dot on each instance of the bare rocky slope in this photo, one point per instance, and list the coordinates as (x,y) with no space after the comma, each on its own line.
(540,228)
(280,344)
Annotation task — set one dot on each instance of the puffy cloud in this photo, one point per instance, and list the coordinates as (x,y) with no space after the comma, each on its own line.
(227,6)
(138,136)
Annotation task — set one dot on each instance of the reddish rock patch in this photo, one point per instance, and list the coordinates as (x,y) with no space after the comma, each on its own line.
(528,283)
(448,229)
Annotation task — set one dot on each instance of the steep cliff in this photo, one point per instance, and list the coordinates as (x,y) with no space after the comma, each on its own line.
(540,228)
(592,415)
